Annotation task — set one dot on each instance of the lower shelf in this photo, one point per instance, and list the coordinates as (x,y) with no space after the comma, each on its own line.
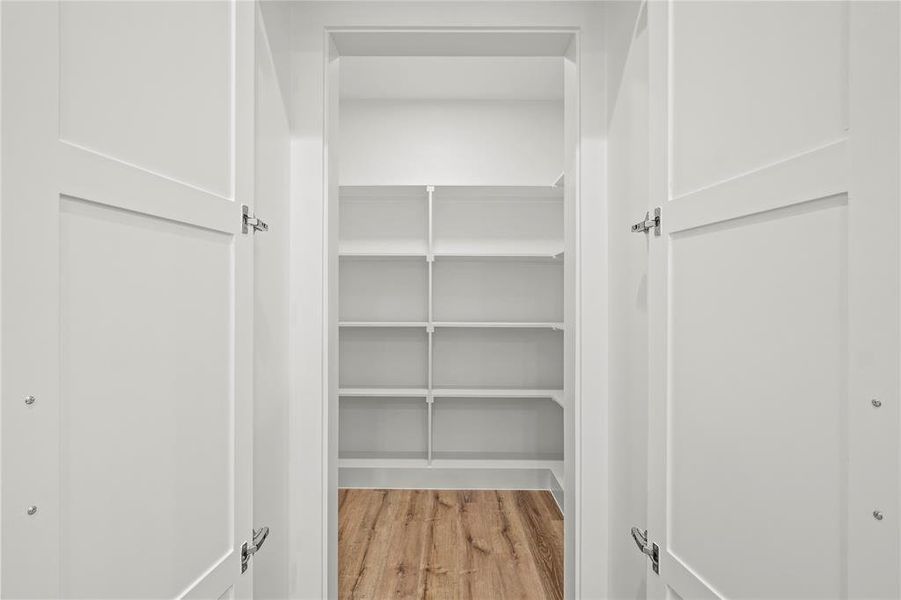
(401,461)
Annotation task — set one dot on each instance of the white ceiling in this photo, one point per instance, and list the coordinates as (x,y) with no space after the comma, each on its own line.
(452,77)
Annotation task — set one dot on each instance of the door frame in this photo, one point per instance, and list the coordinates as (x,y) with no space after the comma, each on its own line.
(313,424)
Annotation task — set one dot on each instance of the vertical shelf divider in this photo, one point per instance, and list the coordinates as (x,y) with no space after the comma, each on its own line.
(430,258)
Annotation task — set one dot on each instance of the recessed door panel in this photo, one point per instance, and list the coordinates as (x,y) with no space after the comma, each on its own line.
(134,76)
(758,348)
(742,73)
(146,404)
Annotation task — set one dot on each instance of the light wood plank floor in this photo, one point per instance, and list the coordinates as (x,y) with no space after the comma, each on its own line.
(469,545)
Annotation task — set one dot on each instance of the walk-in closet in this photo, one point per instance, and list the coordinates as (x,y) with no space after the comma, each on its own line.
(450,300)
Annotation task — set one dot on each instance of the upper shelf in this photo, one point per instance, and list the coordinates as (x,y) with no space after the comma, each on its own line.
(400,248)
(387,221)
(390,251)
(498,192)
(383,192)
(392,324)
(460,221)
(383,392)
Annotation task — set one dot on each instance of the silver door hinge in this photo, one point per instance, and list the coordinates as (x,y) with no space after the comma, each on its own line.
(650,549)
(250,220)
(648,223)
(259,538)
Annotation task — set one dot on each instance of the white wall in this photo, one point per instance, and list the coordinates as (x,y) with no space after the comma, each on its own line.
(276,15)
(627,156)
(450,142)
(452,78)
(271,351)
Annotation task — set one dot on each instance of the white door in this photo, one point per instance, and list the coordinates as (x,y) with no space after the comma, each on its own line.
(126,298)
(773,299)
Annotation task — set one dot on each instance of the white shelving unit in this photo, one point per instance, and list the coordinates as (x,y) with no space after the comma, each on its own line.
(451,331)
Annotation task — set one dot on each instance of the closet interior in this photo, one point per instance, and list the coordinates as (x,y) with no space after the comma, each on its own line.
(451,281)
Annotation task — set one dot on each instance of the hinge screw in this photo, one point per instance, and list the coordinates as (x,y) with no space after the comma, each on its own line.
(877,514)
(29,400)
(31,510)
(876,403)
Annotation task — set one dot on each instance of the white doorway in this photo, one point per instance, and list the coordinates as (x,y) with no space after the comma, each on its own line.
(425,411)
(320,228)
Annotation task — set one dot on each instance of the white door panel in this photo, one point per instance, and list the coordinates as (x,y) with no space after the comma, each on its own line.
(124,105)
(742,309)
(146,395)
(742,73)
(128,299)
(773,301)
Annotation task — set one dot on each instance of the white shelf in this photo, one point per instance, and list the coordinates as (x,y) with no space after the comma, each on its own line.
(495,463)
(383,463)
(443,287)
(385,249)
(383,355)
(495,193)
(402,392)
(381,255)
(391,462)
(383,221)
(497,221)
(383,392)
(497,325)
(513,394)
(517,254)
(392,324)
(455,324)
(498,250)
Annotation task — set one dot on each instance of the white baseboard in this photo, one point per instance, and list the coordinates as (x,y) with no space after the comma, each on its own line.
(450,479)
(555,486)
